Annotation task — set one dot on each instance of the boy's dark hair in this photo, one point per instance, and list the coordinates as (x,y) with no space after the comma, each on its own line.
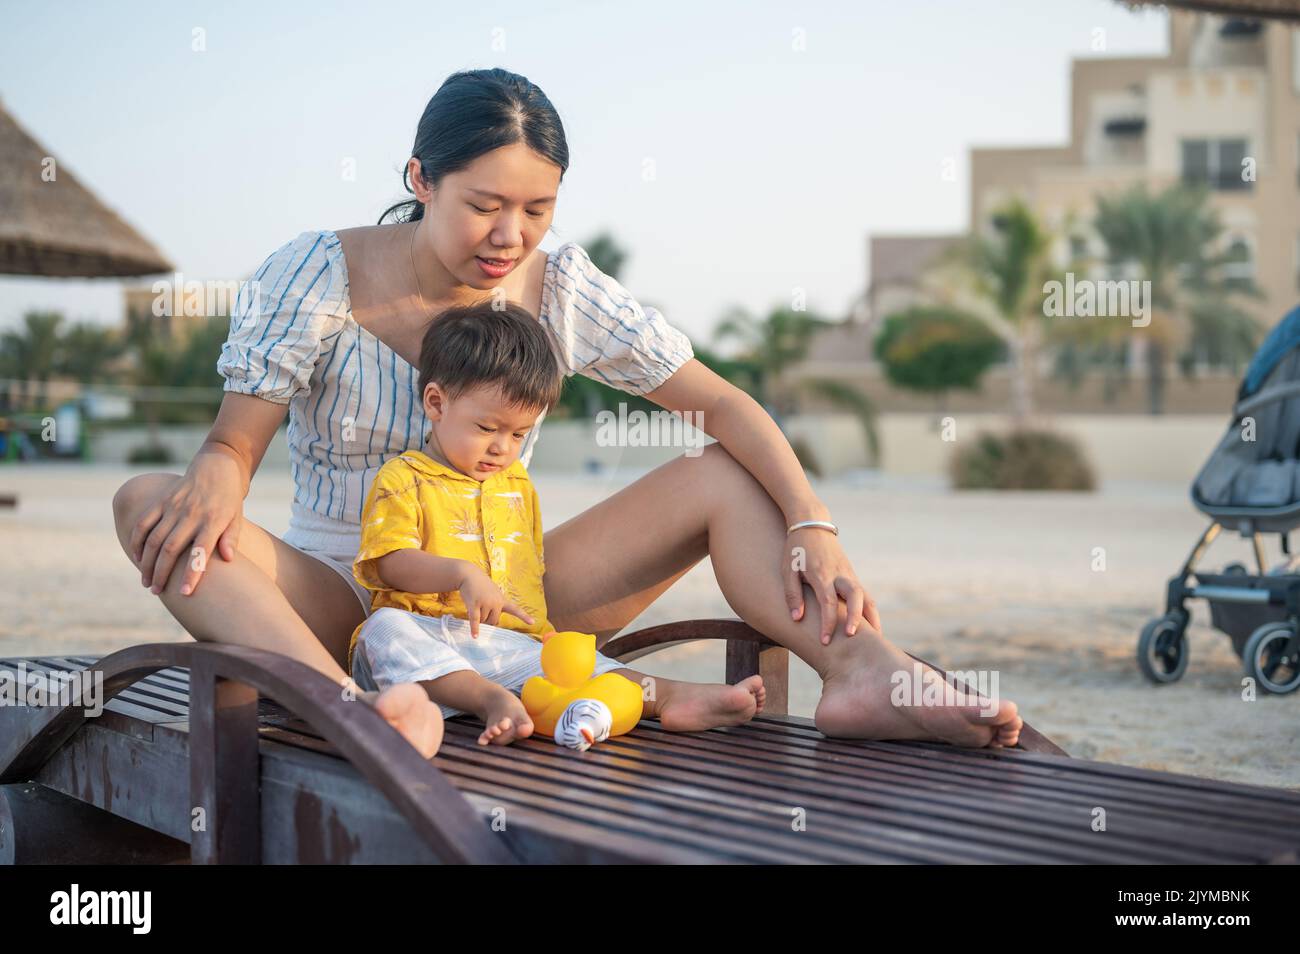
(473,345)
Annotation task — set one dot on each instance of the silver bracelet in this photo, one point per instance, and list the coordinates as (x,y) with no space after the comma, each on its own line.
(823,524)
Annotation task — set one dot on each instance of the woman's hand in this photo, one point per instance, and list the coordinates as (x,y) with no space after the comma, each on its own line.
(200,516)
(815,555)
(484,601)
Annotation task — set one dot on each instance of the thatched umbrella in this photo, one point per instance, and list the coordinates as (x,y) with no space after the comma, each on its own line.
(1265,9)
(58,228)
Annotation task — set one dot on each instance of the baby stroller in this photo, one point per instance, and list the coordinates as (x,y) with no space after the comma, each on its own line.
(1250,484)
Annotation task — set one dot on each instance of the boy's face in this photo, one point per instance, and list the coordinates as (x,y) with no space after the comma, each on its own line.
(478,433)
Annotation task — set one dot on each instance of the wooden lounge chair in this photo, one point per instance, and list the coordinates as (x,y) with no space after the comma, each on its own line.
(211,753)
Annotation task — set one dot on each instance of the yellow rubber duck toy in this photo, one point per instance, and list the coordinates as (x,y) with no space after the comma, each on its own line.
(568,704)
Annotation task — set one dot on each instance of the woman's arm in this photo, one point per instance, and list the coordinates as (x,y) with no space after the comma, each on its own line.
(243,430)
(749,434)
(203,512)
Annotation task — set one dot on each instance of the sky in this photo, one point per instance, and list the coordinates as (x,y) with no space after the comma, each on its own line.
(781,134)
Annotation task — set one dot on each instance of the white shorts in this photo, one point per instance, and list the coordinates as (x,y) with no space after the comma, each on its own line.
(396,646)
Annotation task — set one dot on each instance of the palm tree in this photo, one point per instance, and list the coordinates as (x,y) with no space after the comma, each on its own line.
(86,352)
(1000,278)
(30,354)
(774,343)
(1166,239)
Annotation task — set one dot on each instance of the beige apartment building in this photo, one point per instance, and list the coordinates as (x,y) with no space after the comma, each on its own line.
(1225,101)
(1223,109)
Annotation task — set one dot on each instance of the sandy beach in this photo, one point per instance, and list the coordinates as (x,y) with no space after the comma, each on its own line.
(1004,582)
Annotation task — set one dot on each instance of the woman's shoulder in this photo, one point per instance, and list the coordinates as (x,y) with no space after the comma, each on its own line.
(318,244)
(572,261)
(308,266)
(602,331)
(284,316)
(574,281)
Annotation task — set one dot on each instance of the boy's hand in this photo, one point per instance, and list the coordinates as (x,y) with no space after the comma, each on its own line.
(484,601)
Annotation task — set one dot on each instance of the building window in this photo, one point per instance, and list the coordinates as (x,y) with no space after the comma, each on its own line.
(1238,265)
(1217,163)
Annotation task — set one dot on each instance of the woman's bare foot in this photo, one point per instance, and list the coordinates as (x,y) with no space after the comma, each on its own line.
(505,719)
(409,710)
(860,704)
(693,706)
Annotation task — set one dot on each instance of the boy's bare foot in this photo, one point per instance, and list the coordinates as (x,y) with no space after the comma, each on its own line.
(858,704)
(692,707)
(505,719)
(409,710)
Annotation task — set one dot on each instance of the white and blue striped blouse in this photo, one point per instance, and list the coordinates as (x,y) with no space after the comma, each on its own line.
(352,399)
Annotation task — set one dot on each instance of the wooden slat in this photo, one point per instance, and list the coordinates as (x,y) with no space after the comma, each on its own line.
(889,802)
(168,700)
(128,703)
(998,814)
(1187,786)
(749,824)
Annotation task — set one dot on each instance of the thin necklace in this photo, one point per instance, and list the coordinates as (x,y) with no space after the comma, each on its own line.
(416,273)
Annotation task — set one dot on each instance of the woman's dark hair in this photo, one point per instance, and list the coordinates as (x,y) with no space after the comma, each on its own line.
(479,344)
(472,113)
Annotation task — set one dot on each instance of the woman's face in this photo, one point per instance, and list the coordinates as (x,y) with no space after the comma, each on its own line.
(499,207)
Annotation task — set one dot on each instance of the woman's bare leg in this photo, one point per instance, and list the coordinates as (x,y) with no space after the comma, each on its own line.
(695,706)
(274,597)
(604,566)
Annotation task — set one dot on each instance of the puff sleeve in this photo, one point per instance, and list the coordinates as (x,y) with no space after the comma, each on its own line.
(391,521)
(599,330)
(280,316)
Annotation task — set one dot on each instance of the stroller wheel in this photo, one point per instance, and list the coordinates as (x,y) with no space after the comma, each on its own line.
(1236,569)
(1267,661)
(1162,648)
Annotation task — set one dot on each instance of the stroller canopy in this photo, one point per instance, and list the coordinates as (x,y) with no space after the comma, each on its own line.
(1251,482)
(1280,341)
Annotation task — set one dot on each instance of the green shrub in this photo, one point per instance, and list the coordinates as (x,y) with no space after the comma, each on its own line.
(1021,460)
(936,349)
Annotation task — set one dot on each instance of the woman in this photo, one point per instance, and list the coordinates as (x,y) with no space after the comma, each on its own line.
(331,336)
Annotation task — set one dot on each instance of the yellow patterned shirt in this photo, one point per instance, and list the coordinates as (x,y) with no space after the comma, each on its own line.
(496,524)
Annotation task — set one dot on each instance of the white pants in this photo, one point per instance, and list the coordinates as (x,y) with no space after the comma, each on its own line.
(396,646)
